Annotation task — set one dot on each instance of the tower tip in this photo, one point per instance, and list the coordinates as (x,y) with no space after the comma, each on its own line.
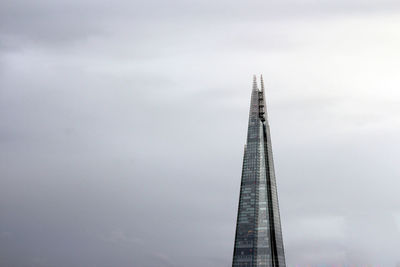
(262,82)
(255,82)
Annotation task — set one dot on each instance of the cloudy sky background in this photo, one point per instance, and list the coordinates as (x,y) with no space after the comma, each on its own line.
(122,127)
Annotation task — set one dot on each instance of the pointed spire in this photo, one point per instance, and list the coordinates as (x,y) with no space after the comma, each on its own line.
(263,105)
(262,84)
(255,82)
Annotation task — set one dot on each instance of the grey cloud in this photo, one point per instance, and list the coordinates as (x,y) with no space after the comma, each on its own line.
(122,131)
(60,23)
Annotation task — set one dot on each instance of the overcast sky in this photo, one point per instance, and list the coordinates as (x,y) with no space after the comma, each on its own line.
(122,126)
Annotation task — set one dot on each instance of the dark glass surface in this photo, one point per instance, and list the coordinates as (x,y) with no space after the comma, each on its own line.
(258,239)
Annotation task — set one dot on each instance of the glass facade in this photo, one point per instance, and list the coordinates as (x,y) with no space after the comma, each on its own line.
(258,239)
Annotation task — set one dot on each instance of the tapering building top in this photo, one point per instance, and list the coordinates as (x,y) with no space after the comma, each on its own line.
(255,87)
(262,83)
(258,239)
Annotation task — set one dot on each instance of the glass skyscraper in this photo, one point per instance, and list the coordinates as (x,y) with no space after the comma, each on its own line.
(258,239)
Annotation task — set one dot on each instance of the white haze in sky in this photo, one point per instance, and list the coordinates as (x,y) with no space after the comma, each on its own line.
(122,127)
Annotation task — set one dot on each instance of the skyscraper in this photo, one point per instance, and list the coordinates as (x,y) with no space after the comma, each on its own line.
(258,239)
